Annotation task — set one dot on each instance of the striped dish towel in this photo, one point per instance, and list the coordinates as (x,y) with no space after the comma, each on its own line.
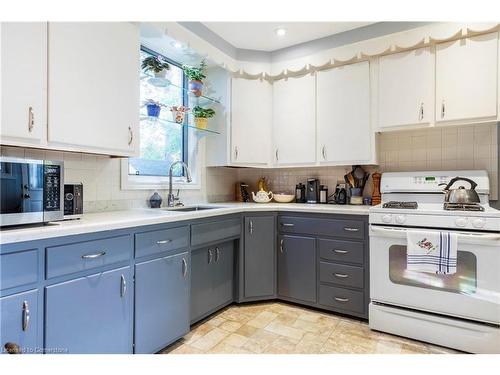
(434,252)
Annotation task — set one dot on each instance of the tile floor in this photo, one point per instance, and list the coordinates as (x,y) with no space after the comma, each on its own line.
(280,328)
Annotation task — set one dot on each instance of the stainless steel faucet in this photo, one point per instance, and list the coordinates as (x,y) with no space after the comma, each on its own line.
(171,198)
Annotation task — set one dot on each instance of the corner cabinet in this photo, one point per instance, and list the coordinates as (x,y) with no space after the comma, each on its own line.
(251,121)
(93,80)
(23,108)
(344,135)
(467,79)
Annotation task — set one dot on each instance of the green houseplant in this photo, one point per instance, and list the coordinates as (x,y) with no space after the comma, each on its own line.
(201,116)
(196,75)
(155,64)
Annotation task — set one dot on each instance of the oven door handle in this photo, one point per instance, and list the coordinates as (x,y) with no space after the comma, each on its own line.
(462,236)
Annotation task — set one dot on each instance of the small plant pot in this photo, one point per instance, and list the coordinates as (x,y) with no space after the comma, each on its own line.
(196,87)
(178,116)
(201,122)
(153,110)
(161,74)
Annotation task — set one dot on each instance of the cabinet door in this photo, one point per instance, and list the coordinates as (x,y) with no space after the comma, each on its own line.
(251,121)
(161,302)
(221,274)
(406,88)
(297,268)
(91,314)
(343,104)
(259,256)
(294,120)
(94,86)
(466,78)
(201,284)
(23,81)
(19,322)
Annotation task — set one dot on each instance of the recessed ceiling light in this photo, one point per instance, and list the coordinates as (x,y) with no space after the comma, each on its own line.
(177,45)
(280,31)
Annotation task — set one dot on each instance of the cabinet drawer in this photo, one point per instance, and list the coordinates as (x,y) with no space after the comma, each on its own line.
(215,231)
(81,256)
(18,269)
(341,274)
(157,241)
(323,227)
(343,299)
(341,251)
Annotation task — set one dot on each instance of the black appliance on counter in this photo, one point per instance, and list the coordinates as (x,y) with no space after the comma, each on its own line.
(312,190)
(300,193)
(73,201)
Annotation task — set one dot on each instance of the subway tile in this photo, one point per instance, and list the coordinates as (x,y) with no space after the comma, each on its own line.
(13,152)
(33,153)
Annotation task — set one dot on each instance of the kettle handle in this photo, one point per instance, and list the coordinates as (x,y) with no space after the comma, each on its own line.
(270,195)
(453,180)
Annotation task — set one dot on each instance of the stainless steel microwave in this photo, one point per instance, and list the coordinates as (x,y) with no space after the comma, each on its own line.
(31,191)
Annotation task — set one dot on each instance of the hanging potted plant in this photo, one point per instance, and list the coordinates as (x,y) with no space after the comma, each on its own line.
(157,65)
(196,75)
(201,116)
(153,107)
(178,113)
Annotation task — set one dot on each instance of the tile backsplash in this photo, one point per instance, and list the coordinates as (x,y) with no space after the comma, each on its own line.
(463,147)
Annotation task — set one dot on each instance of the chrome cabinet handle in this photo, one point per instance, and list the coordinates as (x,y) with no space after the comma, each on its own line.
(277,154)
(340,251)
(31,119)
(184,267)
(123,286)
(93,256)
(162,242)
(250,226)
(287,225)
(341,299)
(442,109)
(348,229)
(217,254)
(323,152)
(341,275)
(281,245)
(131,135)
(421,112)
(235,152)
(210,256)
(26,316)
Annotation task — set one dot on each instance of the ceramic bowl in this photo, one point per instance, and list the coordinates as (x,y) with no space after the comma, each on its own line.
(284,198)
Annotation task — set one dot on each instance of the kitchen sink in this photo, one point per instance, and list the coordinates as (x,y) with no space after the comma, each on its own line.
(190,208)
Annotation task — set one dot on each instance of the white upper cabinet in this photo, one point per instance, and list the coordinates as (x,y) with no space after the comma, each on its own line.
(467,79)
(251,121)
(343,110)
(294,120)
(406,89)
(94,87)
(23,81)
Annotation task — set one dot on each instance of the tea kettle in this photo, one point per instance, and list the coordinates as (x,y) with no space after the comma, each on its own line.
(461,194)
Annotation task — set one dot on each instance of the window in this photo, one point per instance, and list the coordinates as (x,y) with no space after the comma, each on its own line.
(161,141)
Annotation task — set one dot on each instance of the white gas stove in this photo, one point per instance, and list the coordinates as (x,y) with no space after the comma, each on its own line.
(460,310)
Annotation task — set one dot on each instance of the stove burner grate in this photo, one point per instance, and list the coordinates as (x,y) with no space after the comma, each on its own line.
(397,204)
(463,207)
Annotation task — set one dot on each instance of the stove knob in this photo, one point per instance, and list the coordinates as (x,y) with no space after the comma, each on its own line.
(461,222)
(400,219)
(386,218)
(478,223)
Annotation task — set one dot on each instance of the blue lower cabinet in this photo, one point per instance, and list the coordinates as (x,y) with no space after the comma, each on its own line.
(161,302)
(19,322)
(91,314)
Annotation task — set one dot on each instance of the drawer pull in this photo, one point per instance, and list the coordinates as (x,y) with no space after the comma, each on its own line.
(123,286)
(217,254)
(93,256)
(349,229)
(184,267)
(340,251)
(210,256)
(341,275)
(26,316)
(281,245)
(339,299)
(287,225)
(162,242)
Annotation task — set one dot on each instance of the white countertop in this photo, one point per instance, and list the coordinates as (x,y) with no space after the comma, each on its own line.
(102,221)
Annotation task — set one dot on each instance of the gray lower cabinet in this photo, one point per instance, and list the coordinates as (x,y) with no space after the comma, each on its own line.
(297,268)
(161,302)
(259,263)
(212,279)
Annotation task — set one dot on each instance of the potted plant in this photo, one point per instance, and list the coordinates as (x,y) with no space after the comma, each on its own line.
(178,113)
(201,116)
(157,65)
(153,107)
(196,75)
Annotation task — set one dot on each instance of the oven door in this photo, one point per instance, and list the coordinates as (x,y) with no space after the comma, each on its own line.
(473,292)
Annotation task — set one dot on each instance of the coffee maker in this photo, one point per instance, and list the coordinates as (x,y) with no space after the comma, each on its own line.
(312,190)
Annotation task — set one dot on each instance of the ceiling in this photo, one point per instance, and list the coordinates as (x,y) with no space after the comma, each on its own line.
(261,35)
